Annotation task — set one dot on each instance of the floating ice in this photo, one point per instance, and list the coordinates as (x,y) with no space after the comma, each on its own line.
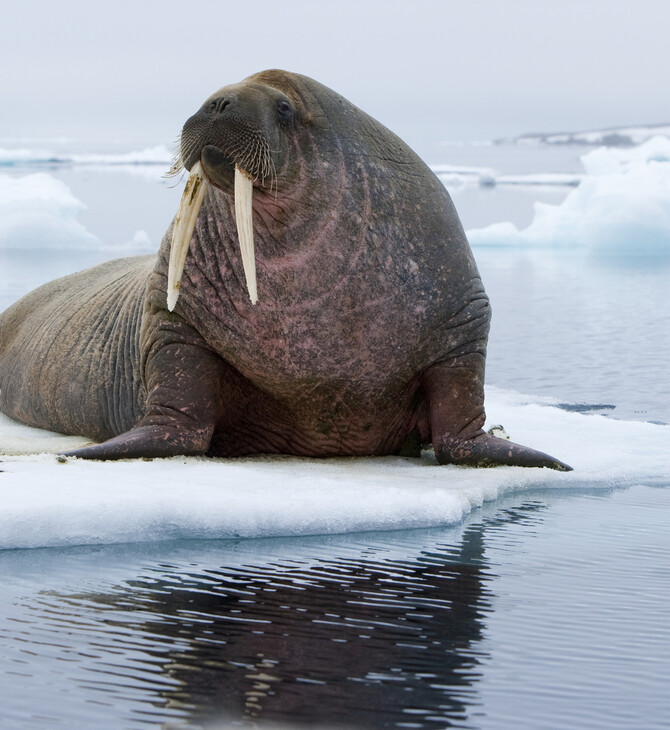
(46,503)
(541,179)
(158,155)
(622,205)
(456,175)
(140,242)
(615,136)
(39,211)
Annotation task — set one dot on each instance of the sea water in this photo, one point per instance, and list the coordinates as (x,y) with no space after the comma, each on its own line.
(521,601)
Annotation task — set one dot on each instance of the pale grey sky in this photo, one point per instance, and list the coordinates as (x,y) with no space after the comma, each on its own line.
(455,69)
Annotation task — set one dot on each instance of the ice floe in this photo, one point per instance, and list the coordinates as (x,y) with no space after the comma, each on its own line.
(40,211)
(621,205)
(47,503)
(457,175)
(24,156)
(612,137)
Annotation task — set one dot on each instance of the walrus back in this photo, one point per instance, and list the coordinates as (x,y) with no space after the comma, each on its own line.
(69,351)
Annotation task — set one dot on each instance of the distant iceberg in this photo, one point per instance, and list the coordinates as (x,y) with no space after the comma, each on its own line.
(456,175)
(611,137)
(39,211)
(158,155)
(621,205)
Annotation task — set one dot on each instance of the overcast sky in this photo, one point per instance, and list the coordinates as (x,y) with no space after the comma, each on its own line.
(455,69)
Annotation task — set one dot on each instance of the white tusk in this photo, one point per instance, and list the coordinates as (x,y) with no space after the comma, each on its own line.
(189,207)
(245,229)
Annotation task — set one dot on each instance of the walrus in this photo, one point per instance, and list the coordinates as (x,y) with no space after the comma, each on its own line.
(315,295)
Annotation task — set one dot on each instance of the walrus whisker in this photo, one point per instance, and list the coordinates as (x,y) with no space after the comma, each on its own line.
(173,172)
(189,207)
(251,153)
(177,160)
(175,169)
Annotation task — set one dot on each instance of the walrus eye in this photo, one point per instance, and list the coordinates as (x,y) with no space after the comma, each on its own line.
(284,109)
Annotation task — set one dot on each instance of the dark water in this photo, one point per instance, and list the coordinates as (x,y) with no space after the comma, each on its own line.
(580,328)
(545,610)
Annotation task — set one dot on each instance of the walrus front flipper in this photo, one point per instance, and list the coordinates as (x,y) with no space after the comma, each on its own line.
(455,393)
(486,450)
(184,402)
(148,442)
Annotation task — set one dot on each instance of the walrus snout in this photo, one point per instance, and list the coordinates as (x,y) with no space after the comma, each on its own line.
(232,130)
(220,168)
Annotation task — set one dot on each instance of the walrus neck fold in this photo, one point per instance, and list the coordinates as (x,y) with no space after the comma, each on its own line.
(189,208)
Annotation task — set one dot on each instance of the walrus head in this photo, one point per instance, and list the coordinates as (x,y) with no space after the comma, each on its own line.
(239,136)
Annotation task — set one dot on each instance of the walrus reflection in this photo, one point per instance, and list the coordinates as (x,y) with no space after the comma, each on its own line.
(337,643)
(326,631)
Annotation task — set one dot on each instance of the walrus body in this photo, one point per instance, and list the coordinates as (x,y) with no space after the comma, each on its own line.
(369,335)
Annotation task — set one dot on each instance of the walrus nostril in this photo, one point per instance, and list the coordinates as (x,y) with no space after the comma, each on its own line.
(218,105)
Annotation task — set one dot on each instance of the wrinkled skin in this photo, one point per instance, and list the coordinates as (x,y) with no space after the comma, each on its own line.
(369,336)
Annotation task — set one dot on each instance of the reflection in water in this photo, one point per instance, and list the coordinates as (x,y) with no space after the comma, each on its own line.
(384,637)
(346,643)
